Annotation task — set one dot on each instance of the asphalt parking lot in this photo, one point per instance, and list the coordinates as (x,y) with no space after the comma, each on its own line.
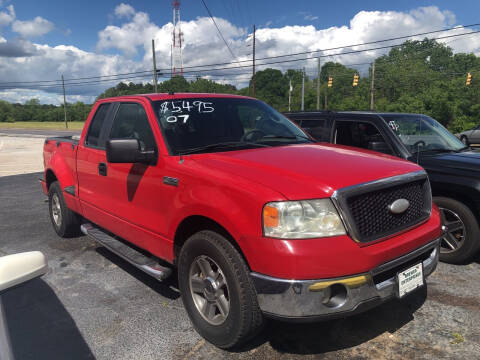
(92,304)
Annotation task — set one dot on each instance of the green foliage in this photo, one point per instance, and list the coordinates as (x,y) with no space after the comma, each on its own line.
(416,77)
(32,110)
(175,84)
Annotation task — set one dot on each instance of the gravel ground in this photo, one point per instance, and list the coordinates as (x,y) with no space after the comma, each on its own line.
(92,304)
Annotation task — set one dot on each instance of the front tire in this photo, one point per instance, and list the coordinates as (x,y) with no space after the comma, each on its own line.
(464,140)
(217,290)
(65,222)
(462,238)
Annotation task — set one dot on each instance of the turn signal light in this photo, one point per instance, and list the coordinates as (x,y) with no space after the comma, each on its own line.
(270,216)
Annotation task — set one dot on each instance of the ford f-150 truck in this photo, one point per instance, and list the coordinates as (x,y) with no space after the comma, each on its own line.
(258,218)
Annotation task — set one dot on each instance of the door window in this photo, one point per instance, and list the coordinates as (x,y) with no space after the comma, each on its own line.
(360,134)
(131,122)
(94,131)
(314,127)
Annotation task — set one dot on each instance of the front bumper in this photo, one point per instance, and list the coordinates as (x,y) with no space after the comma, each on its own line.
(338,297)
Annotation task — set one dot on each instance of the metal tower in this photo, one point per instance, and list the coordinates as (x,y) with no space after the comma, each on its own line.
(177,38)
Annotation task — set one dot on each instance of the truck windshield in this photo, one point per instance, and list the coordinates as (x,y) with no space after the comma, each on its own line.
(215,124)
(421,133)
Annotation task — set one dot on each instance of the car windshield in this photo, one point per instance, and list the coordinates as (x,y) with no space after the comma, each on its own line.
(214,124)
(421,133)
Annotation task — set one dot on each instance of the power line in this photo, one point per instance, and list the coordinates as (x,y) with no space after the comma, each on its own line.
(323,56)
(342,47)
(115,77)
(219,32)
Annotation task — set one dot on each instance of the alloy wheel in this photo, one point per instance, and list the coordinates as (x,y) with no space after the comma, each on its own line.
(455,231)
(56,210)
(209,290)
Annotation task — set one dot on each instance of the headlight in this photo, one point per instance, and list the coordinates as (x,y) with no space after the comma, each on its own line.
(301,219)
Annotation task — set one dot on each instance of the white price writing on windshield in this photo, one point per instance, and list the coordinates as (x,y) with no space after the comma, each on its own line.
(174,119)
(181,106)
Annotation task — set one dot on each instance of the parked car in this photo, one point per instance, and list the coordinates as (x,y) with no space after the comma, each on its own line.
(453,168)
(258,218)
(15,270)
(471,136)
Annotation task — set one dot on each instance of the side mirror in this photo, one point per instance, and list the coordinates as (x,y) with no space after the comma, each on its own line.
(127,151)
(19,268)
(380,146)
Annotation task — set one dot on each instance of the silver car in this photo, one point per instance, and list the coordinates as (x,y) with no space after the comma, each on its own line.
(471,136)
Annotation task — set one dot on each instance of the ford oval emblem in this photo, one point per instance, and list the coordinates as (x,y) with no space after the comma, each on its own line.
(399,206)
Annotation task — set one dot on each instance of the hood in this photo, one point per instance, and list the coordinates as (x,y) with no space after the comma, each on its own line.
(465,160)
(306,171)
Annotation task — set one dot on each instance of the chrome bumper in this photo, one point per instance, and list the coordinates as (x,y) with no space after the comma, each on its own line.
(337,297)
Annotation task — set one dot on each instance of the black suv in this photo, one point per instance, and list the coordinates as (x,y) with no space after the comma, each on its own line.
(453,168)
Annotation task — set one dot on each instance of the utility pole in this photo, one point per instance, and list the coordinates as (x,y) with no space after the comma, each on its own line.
(372,85)
(318,83)
(326,98)
(253,63)
(303,89)
(64,103)
(155,82)
(290,96)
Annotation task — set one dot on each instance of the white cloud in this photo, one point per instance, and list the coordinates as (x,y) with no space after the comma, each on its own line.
(6,17)
(124,10)
(202,45)
(33,28)
(308,16)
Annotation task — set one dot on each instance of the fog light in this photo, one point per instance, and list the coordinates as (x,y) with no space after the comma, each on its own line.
(335,296)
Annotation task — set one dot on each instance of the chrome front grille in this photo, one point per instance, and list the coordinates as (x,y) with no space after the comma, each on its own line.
(364,207)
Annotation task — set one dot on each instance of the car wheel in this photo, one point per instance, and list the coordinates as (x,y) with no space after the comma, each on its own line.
(65,222)
(217,290)
(465,141)
(462,237)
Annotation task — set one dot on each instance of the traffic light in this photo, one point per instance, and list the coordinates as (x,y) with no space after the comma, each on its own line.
(469,79)
(355,80)
(330,81)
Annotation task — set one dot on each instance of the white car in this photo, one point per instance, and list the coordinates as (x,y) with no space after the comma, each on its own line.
(15,270)
(471,136)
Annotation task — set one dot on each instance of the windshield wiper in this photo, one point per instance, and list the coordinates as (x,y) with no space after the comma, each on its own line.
(287,137)
(434,151)
(221,145)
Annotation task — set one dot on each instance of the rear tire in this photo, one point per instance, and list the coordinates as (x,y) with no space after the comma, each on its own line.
(66,223)
(462,240)
(217,290)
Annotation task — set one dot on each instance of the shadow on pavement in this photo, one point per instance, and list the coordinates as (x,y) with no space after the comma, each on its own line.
(39,325)
(333,335)
(167,288)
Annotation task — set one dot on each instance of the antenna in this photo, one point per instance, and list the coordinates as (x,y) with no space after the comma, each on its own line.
(177,39)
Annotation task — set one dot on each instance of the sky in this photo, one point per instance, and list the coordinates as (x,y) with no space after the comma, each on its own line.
(41,40)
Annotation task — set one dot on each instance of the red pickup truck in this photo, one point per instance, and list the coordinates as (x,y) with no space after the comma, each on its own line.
(258,218)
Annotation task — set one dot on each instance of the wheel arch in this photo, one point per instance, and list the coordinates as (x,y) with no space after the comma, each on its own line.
(195,223)
(50,177)
(461,197)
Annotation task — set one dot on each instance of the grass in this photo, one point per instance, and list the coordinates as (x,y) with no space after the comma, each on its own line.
(37,125)
(457,338)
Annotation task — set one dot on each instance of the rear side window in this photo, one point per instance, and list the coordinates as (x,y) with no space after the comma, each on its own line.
(131,122)
(314,128)
(93,135)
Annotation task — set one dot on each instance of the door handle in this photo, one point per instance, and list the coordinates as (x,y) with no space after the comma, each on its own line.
(102,169)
